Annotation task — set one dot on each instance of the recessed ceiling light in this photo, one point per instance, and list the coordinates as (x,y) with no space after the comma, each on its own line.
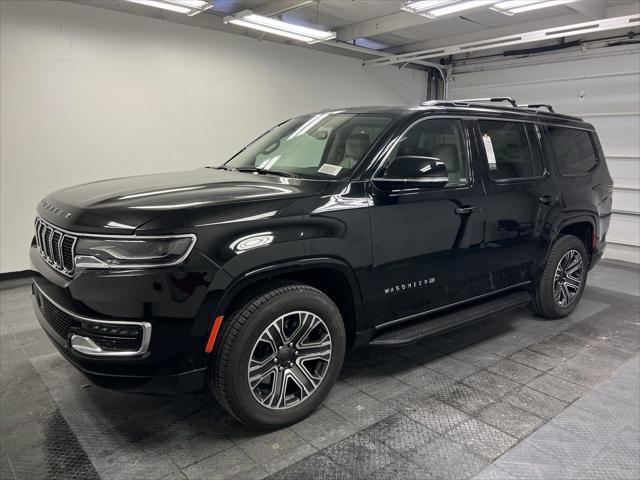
(277,27)
(512,7)
(189,7)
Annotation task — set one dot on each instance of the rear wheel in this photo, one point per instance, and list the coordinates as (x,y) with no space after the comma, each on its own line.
(278,356)
(563,279)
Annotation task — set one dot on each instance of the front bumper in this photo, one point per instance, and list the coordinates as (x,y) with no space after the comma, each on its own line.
(141,331)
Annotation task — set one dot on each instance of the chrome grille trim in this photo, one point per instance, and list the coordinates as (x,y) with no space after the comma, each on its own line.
(145,326)
(51,242)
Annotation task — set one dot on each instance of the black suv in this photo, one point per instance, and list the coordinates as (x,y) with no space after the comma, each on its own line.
(333,230)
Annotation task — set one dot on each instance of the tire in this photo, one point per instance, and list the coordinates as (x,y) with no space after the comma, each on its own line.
(284,309)
(552,303)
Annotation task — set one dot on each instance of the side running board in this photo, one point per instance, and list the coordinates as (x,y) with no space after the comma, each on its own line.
(411,332)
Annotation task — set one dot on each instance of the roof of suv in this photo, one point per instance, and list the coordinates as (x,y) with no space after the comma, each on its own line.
(472,108)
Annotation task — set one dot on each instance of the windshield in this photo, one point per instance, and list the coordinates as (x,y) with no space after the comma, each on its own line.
(324,146)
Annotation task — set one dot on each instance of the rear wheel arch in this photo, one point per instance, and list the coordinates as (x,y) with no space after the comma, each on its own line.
(583,229)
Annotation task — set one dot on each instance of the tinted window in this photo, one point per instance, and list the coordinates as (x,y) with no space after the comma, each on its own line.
(573,150)
(508,149)
(440,140)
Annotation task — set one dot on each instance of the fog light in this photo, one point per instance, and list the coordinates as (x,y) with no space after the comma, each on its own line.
(112,330)
(109,338)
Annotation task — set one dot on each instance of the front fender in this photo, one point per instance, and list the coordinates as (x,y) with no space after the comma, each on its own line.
(225,287)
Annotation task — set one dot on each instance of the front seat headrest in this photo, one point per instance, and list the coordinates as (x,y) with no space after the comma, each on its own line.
(357,145)
(448,154)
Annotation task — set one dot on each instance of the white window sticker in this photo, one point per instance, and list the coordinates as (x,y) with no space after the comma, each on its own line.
(491,156)
(329,169)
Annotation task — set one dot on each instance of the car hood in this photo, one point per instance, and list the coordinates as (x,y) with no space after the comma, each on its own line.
(122,205)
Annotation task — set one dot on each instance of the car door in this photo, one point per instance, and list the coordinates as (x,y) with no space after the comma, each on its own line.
(520,198)
(427,242)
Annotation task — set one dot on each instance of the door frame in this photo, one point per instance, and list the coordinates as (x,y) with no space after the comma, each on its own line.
(475,182)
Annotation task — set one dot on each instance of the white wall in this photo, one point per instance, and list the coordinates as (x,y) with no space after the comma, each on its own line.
(88,93)
(604,91)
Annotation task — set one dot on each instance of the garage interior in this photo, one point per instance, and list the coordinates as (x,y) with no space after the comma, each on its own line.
(100,89)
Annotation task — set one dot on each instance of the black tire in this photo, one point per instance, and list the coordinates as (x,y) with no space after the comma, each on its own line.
(229,381)
(543,301)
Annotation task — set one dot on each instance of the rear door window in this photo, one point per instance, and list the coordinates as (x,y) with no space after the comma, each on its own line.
(573,149)
(512,150)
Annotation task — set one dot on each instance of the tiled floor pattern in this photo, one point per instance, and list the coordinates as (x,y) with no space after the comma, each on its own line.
(515,397)
(596,437)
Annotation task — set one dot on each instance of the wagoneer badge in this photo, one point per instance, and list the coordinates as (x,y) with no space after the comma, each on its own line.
(406,286)
(47,206)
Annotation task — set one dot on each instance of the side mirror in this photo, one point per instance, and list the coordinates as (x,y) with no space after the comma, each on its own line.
(413,171)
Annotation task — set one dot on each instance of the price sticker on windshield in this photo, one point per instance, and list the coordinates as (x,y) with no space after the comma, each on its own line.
(491,156)
(329,169)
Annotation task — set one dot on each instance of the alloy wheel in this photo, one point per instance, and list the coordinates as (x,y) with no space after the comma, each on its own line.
(568,278)
(289,360)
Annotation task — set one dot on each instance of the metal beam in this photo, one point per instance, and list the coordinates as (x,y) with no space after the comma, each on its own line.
(624,22)
(380,54)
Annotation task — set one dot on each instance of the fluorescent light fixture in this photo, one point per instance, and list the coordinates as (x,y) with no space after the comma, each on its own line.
(189,7)
(458,7)
(422,5)
(439,8)
(512,7)
(270,25)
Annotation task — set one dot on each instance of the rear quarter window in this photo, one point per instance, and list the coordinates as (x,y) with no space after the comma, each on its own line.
(574,150)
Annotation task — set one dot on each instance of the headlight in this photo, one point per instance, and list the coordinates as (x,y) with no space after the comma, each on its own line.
(131,252)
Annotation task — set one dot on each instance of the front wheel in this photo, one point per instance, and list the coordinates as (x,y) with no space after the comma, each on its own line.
(563,279)
(278,356)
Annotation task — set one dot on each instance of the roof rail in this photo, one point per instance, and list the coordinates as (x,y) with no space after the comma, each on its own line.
(531,106)
(485,100)
(539,105)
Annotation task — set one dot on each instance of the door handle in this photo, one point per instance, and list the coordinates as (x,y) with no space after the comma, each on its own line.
(545,199)
(467,210)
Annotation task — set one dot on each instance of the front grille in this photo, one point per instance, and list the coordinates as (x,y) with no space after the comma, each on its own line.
(56,247)
(59,320)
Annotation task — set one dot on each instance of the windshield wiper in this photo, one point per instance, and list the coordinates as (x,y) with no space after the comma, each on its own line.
(264,171)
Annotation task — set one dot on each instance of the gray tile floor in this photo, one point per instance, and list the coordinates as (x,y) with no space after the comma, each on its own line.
(515,397)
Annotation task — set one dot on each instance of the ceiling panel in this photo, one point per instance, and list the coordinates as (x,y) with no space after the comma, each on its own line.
(337,13)
(442,28)
(233,6)
(495,19)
